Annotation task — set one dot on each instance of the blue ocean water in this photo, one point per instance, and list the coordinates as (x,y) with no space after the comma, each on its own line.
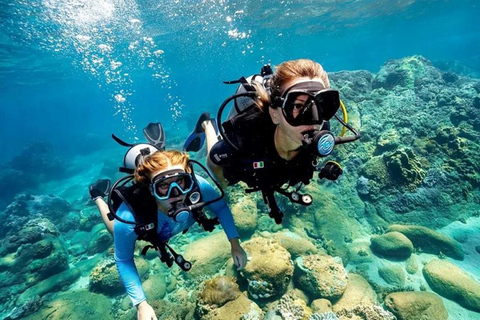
(72,68)
(72,72)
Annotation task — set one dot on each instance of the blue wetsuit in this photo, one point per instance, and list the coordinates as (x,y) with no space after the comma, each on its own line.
(124,237)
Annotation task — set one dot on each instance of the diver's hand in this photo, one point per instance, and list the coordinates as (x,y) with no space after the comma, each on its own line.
(145,311)
(238,254)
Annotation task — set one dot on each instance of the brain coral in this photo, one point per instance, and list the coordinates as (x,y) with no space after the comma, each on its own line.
(220,290)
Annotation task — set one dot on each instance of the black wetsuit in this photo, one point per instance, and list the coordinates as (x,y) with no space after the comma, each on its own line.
(257,162)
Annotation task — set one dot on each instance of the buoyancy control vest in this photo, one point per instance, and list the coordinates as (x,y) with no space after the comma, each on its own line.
(144,209)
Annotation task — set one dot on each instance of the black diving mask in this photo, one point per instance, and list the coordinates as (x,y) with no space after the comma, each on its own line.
(309,103)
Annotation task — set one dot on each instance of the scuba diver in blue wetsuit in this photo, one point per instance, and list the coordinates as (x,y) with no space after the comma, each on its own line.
(275,132)
(165,198)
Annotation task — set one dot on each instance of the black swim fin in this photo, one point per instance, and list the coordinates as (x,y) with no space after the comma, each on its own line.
(155,135)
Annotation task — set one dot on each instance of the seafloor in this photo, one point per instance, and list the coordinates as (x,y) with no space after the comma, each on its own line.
(397,236)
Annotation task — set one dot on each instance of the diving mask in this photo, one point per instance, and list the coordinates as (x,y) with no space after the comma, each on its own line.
(171,184)
(309,103)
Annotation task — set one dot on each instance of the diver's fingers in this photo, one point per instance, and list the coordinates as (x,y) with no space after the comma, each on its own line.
(237,262)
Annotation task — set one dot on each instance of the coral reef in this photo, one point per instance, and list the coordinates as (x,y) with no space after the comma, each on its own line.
(26,207)
(219,291)
(270,269)
(240,308)
(244,211)
(30,256)
(289,309)
(294,243)
(323,316)
(105,278)
(368,312)
(100,240)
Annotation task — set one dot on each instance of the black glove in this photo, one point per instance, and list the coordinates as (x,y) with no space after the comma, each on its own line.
(330,171)
(99,189)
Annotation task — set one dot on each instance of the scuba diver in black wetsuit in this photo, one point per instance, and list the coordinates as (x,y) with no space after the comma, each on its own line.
(277,129)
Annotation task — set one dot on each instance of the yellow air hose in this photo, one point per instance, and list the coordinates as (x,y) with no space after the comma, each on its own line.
(345,118)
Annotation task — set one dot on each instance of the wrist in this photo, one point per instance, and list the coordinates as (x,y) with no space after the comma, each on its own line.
(142,304)
(235,242)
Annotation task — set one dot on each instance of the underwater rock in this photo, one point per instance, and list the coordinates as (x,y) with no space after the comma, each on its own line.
(334,221)
(100,240)
(358,292)
(388,140)
(207,255)
(73,305)
(54,283)
(392,244)
(321,276)
(454,283)
(416,306)
(362,185)
(14,181)
(105,279)
(89,217)
(240,308)
(26,207)
(219,291)
(31,256)
(411,265)
(294,243)
(429,240)
(393,274)
(155,286)
(244,211)
(411,72)
(321,306)
(360,252)
(270,269)
(39,158)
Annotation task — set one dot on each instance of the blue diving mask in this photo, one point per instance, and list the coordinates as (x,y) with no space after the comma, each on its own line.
(175,187)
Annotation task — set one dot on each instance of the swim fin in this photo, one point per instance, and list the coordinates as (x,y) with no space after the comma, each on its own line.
(196,139)
(155,135)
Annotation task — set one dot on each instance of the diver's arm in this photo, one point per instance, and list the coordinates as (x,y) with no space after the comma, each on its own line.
(222,211)
(219,208)
(124,240)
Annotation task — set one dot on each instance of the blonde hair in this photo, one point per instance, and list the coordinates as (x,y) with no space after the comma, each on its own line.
(286,72)
(158,161)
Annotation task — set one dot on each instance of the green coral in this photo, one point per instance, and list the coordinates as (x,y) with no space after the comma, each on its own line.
(404,167)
